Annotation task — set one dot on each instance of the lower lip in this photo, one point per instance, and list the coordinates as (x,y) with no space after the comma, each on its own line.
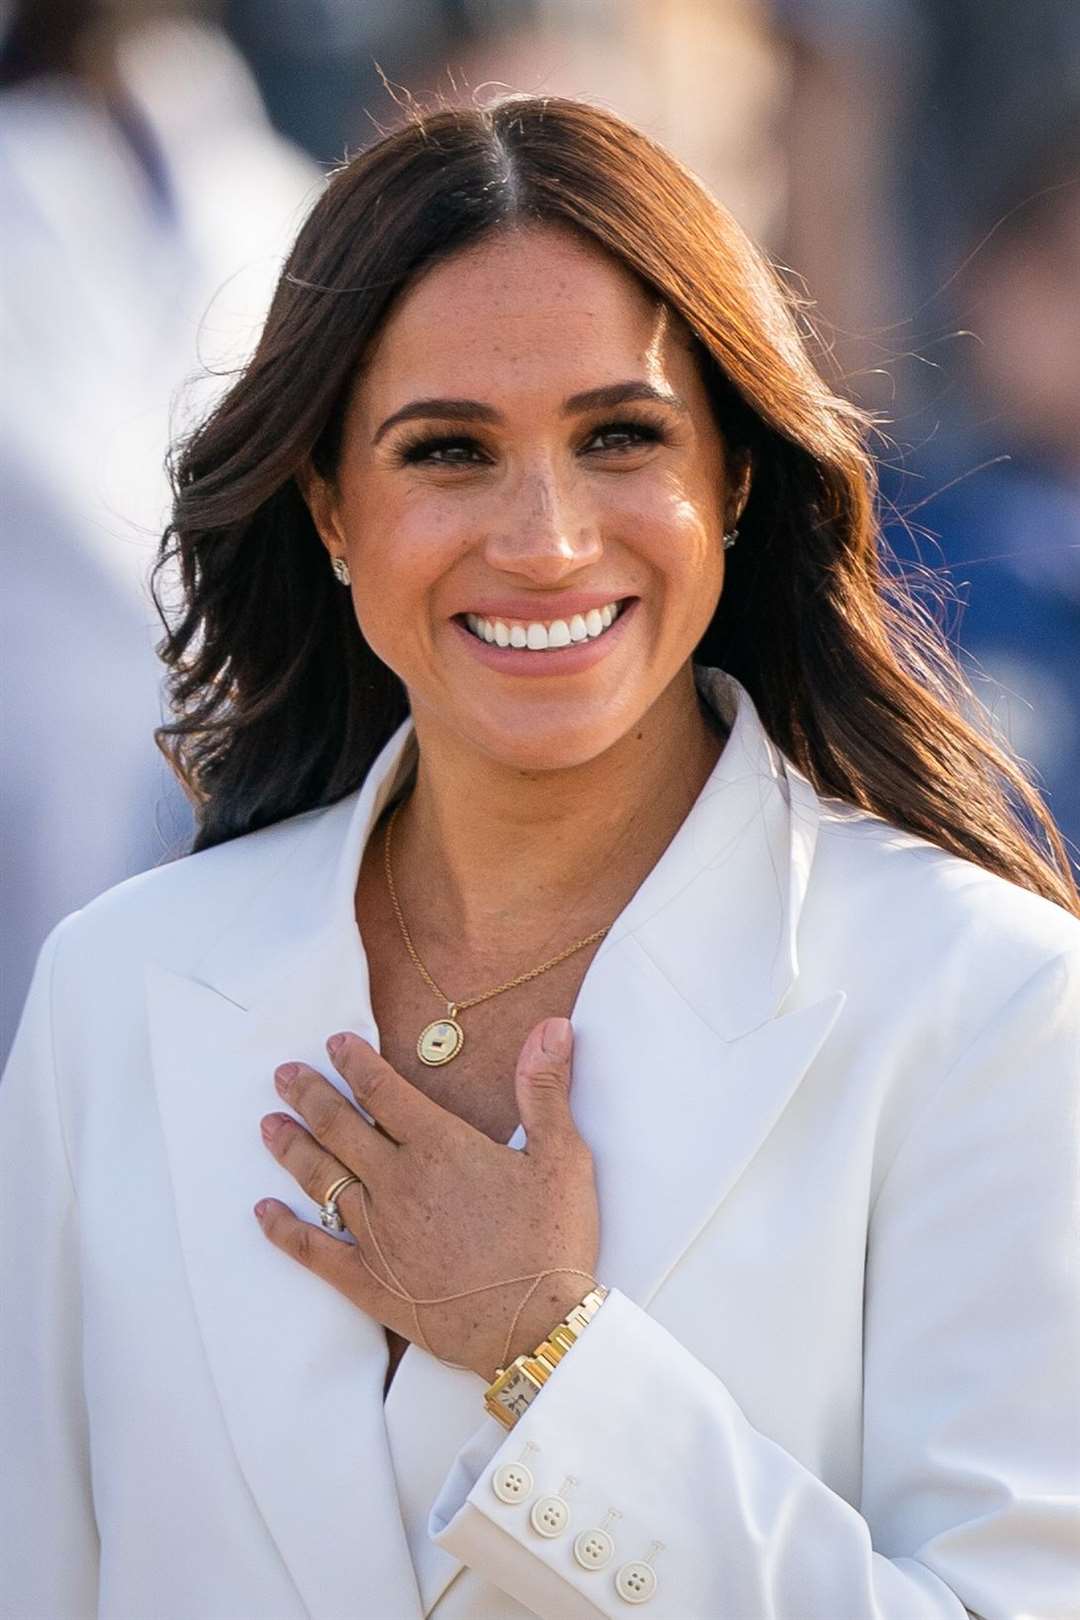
(552,660)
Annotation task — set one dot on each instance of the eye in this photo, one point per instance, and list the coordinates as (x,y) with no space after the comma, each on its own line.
(459,450)
(441,450)
(621,436)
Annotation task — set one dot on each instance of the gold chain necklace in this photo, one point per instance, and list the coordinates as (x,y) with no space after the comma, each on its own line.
(442,1040)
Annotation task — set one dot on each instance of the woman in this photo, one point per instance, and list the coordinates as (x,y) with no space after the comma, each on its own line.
(467,768)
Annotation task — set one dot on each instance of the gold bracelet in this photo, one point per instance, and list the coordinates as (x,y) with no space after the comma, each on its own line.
(514,1387)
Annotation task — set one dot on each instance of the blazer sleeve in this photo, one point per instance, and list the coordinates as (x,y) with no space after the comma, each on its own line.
(970,1500)
(48,1538)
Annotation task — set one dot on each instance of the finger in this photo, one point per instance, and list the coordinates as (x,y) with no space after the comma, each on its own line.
(311,1167)
(332,1119)
(335,1262)
(542,1084)
(402,1111)
(326,1256)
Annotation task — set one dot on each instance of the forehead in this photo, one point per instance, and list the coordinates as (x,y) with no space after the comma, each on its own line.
(536,308)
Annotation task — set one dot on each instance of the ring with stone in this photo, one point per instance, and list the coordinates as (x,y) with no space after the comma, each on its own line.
(329,1214)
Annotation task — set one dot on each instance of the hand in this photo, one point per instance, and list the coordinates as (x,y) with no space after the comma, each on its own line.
(451,1209)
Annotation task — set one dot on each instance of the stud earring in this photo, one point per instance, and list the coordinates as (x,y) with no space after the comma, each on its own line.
(341,571)
(730,539)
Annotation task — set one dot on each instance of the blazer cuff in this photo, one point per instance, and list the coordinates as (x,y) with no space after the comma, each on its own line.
(562,1437)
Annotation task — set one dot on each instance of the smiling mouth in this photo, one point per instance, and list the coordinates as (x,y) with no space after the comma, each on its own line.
(539,635)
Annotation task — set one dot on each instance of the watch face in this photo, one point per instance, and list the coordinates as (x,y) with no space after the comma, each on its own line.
(516,1393)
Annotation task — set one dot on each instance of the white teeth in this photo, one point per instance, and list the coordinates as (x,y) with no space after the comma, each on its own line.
(539,637)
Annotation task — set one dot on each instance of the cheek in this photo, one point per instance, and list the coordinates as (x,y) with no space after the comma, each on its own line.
(399,551)
(677,534)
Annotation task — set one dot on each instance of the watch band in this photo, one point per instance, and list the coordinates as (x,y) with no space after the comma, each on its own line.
(514,1387)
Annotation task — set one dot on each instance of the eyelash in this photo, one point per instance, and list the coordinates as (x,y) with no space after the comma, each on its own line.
(423,446)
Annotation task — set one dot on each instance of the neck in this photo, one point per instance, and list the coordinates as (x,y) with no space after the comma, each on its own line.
(500,859)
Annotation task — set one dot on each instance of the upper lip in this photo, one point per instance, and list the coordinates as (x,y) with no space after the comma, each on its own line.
(533,610)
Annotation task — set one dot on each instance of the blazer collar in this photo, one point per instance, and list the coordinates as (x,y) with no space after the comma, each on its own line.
(718,915)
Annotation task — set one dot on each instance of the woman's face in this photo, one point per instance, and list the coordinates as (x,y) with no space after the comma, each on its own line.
(531,500)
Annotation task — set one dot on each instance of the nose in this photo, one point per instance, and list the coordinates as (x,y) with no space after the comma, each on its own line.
(544,532)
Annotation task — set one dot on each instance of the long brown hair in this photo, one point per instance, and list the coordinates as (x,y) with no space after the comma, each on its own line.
(280,704)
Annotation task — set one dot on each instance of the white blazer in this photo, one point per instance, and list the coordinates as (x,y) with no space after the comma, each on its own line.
(829,1075)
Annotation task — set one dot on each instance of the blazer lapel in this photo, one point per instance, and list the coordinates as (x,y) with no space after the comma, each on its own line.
(299,1370)
(684,1056)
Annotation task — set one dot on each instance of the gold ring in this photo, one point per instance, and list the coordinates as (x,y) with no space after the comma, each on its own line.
(329,1214)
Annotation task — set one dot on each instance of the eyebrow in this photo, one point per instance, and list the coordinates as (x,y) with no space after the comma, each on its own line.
(474,410)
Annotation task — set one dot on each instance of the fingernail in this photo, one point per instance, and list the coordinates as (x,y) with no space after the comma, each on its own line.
(335,1043)
(556,1037)
(271,1125)
(260,1209)
(286,1075)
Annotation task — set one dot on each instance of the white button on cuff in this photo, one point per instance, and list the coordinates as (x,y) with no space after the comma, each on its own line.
(550,1516)
(593,1548)
(636,1582)
(512,1483)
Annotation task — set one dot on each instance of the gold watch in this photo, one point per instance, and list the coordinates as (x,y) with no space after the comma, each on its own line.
(516,1386)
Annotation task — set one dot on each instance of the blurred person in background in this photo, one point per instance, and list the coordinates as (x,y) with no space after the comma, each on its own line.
(145,204)
(934,210)
(1002,491)
(83,794)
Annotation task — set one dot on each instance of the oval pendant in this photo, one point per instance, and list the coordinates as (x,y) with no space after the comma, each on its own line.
(440,1042)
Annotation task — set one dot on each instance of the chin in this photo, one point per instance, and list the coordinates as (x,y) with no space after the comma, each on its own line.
(551,742)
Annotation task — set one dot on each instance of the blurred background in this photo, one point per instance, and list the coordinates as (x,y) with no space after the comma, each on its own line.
(912,165)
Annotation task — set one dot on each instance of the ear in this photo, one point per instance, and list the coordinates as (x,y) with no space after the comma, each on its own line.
(740,478)
(321,499)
